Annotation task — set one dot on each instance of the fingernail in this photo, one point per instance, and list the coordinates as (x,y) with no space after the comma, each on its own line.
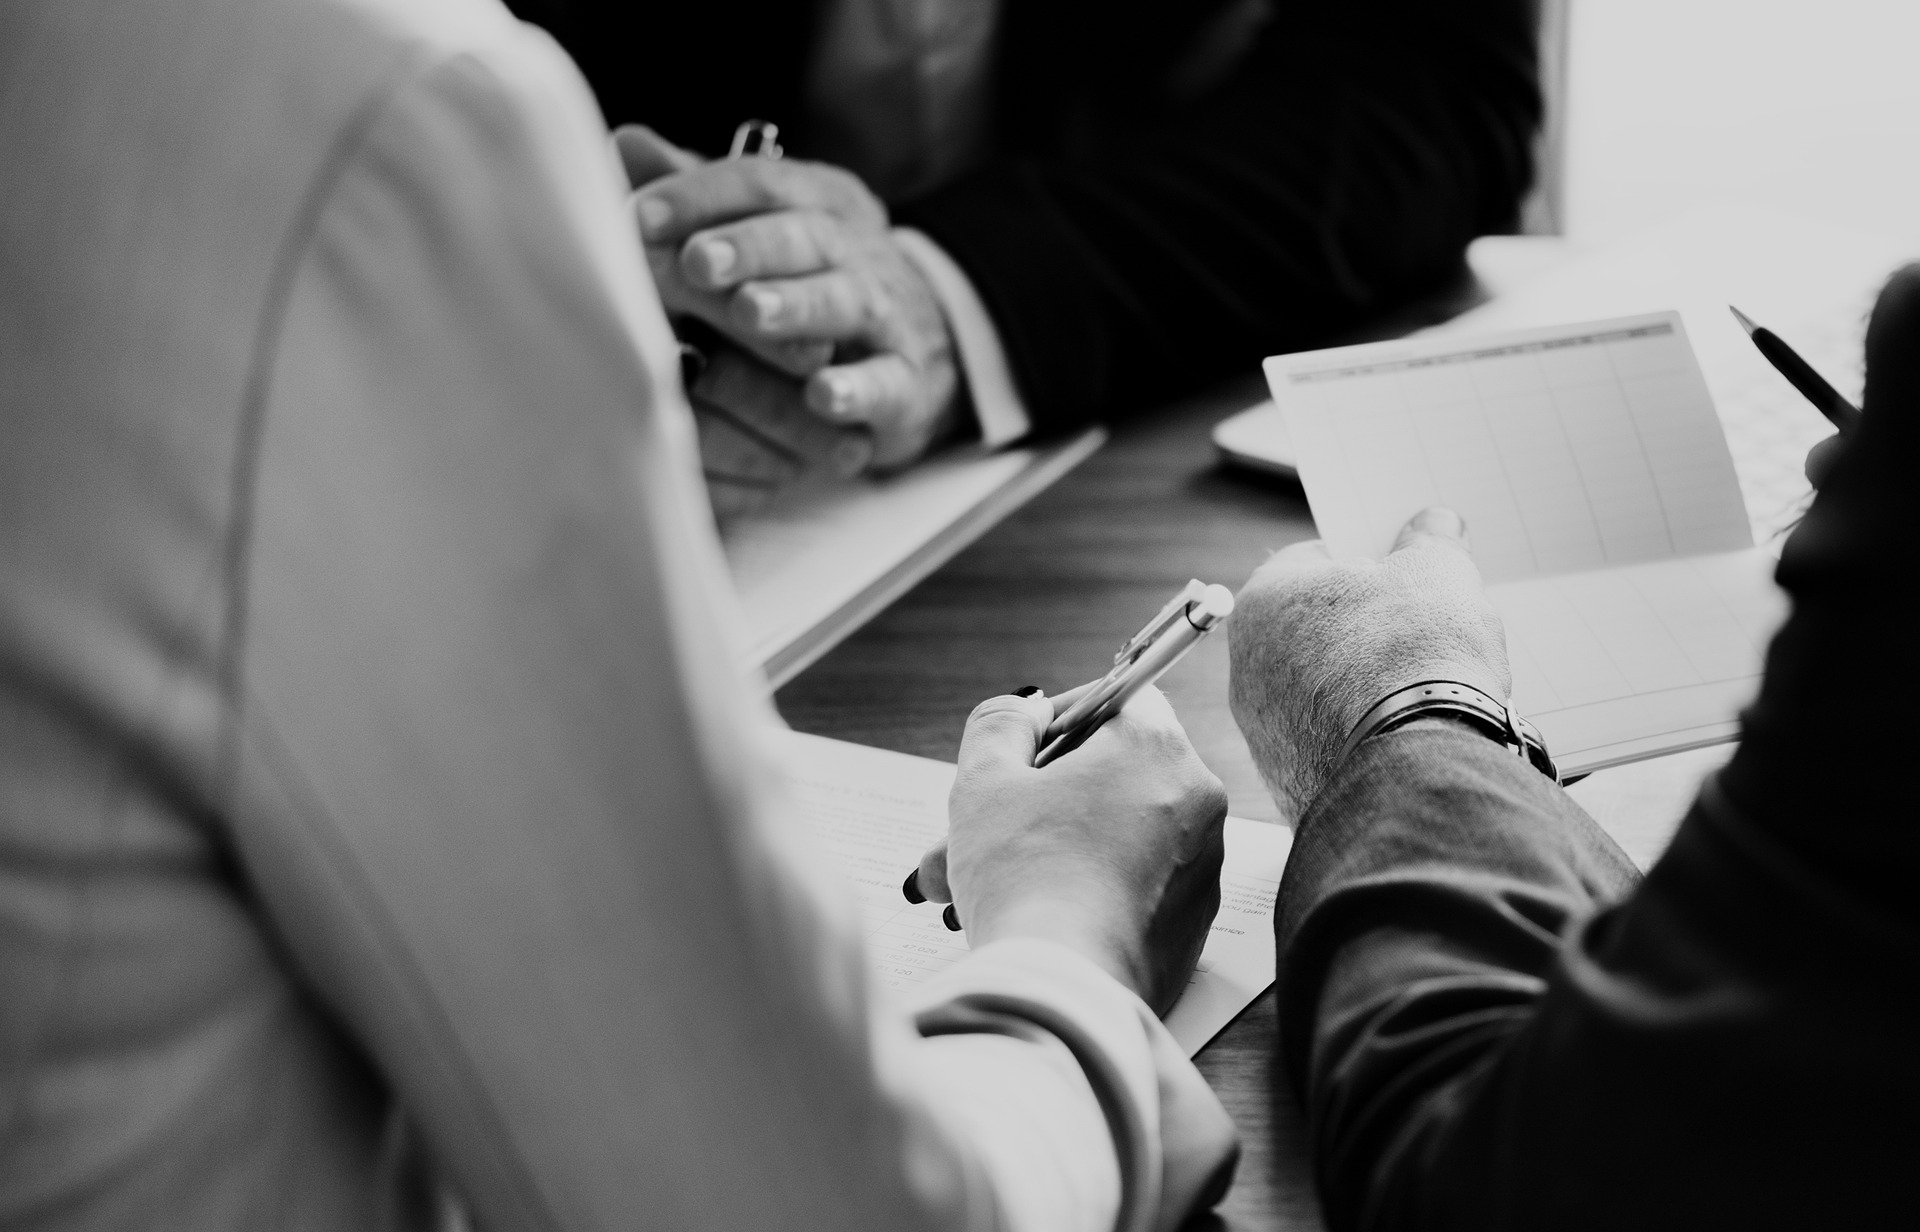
(1026,690)
(911,888)
(655,214)
(839,393)
(766,305)
(720,258)
(951,919)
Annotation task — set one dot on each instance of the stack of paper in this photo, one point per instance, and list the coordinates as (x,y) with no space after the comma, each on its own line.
(878,811)
(1600,499)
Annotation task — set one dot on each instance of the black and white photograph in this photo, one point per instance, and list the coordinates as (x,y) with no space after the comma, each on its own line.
(959,615)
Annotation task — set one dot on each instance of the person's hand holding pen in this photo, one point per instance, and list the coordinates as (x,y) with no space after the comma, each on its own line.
(793,261)
(1824,398)
(1113,850)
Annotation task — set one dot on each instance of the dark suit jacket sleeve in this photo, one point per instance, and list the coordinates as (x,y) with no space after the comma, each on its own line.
(1484,1042)
(1344,165)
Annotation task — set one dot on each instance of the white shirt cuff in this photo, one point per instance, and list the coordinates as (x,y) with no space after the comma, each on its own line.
(1174,1143)
(996,400)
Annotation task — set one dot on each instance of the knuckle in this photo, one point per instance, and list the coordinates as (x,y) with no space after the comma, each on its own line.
(1212,795)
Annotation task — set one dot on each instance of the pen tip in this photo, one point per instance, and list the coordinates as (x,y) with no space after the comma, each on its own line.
(1746,322)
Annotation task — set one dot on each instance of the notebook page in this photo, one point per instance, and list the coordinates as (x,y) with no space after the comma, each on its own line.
(1565,449)
(876,811)
(1601,502)
(1814,289)
(1618,664)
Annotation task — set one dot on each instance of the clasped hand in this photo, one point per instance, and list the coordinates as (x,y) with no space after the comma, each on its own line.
(844,361)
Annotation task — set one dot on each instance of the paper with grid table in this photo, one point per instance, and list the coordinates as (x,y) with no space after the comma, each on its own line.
(1600,500)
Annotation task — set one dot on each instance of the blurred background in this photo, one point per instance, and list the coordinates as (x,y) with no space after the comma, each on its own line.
(1808,106)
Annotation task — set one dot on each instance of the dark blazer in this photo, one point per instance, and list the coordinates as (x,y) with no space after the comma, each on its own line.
(1156,214)
(1494,1027)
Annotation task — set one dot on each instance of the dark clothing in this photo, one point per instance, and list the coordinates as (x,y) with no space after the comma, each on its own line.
(1145,224)
(1493,1027)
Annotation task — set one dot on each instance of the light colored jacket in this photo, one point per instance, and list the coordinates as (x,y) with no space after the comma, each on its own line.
(381,814)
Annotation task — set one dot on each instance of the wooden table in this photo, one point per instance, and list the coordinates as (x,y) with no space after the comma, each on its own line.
(1045,598)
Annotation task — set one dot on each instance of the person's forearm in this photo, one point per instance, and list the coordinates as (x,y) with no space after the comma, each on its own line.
(1490,1032)
(1729,1046)
(1428,892)
(1344,166)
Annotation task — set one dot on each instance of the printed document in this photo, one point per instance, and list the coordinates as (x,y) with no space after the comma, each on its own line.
(877,811)
(1601,503)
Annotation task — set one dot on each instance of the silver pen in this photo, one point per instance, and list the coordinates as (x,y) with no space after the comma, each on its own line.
(1189,616)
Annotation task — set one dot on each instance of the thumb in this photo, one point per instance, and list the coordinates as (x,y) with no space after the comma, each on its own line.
(929,879)
(1003,733)
(647,156)
(1436,525)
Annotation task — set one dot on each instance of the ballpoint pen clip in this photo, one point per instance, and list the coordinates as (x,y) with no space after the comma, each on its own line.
(1176,607)
(756,138)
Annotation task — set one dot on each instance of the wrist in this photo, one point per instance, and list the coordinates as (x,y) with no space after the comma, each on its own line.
(1362,695)
(1469,706)
(1066,919)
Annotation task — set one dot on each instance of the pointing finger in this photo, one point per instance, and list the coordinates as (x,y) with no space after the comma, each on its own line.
(1146,711)
(1063,702)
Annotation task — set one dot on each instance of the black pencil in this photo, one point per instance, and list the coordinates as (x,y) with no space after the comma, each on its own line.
(1825,398)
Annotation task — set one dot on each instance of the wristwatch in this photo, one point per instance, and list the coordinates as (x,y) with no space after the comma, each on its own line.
(1452,699)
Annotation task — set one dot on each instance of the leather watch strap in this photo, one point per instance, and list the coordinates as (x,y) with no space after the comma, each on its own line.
(1451,698)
